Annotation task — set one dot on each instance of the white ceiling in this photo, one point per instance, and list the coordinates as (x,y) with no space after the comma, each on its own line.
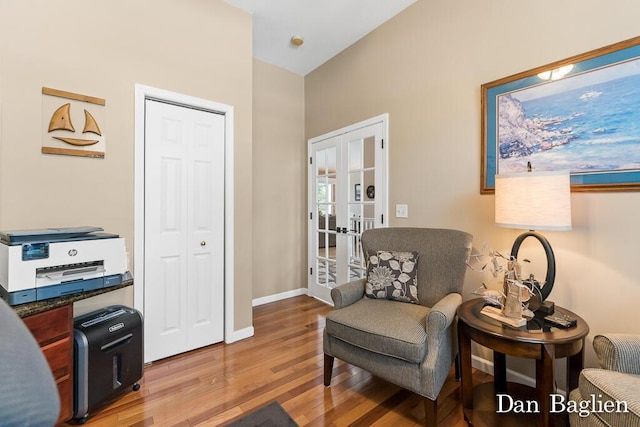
(327,26)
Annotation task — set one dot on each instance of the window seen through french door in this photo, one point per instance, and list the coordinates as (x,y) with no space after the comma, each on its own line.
(347,195)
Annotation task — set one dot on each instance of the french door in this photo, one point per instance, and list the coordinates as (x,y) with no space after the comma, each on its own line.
(347,195)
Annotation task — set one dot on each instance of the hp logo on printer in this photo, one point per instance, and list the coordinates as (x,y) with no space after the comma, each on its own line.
(116,327)
(72,252)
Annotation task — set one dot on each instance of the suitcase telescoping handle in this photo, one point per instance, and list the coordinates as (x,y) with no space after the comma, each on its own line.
(117,343)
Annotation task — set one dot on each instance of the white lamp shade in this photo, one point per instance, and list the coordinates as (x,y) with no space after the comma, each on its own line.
(534,200)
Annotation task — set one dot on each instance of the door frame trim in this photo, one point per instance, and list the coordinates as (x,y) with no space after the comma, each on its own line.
(382,119)
(142,93)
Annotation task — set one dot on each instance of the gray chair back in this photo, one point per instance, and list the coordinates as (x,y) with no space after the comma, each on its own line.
(28,392)
(443,255)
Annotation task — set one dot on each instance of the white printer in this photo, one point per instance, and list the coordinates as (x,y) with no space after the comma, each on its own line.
(41,264)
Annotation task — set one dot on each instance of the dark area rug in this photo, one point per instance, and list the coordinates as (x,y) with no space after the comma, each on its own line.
(271,415)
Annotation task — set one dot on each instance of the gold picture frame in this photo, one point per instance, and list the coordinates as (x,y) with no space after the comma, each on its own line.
(579,113)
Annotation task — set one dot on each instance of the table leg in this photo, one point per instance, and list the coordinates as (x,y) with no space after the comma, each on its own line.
(500,372)
(545,377)
(464,348)
(575,364)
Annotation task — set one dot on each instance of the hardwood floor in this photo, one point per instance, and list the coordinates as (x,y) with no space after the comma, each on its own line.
(283,361)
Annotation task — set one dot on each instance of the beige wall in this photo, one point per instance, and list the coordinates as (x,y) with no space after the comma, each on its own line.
(201,48)
(279,191)
(425,68)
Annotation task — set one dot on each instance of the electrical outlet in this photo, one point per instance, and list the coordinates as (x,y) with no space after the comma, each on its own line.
(402,211)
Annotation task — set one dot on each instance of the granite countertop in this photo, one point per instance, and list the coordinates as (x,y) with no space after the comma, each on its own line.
(31,308)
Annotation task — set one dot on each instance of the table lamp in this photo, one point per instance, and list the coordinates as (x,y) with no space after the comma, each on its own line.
(534,201)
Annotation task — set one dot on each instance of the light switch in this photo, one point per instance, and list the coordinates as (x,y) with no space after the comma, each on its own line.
(402,211)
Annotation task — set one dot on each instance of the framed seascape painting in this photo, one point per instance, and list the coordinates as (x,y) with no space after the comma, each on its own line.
(580,114)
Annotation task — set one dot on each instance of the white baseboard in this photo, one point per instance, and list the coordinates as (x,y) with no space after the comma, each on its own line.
(486,366)
(239,335)
(249,332)
(280,296)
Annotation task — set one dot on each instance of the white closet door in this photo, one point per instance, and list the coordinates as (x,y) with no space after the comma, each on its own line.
(184,229)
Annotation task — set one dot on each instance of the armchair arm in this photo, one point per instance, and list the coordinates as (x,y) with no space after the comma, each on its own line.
(442,314)
(440,344)
(618,352)
(347,293)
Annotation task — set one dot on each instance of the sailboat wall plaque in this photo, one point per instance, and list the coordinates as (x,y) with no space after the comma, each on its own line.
(73,124)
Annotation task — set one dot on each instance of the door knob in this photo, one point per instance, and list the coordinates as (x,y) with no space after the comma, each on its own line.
(203,243)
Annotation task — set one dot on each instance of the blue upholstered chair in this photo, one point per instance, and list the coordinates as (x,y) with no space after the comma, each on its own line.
(28,392)
(408,344)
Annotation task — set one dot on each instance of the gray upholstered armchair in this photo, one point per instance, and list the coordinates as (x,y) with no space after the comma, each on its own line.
(28,392)
(410,345)
(617,380)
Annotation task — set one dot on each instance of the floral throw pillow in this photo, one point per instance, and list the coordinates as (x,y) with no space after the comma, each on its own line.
(392,275)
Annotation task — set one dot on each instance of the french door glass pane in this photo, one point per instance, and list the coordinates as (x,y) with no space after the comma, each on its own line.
(322,245)
(355,154)
(357,267)
(369,153)
(355,186)
(369,179)
(331,190)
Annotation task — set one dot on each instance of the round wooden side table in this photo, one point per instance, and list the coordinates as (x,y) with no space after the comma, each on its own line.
(543,346)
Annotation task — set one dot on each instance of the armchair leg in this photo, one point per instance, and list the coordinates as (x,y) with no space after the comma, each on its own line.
(431,412)
(456,363)
(328,369)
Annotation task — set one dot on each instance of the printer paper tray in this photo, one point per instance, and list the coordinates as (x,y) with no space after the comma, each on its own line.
(65,274)
(62,289)
(69,288)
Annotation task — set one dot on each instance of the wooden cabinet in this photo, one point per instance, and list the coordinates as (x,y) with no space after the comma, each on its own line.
(53,330)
